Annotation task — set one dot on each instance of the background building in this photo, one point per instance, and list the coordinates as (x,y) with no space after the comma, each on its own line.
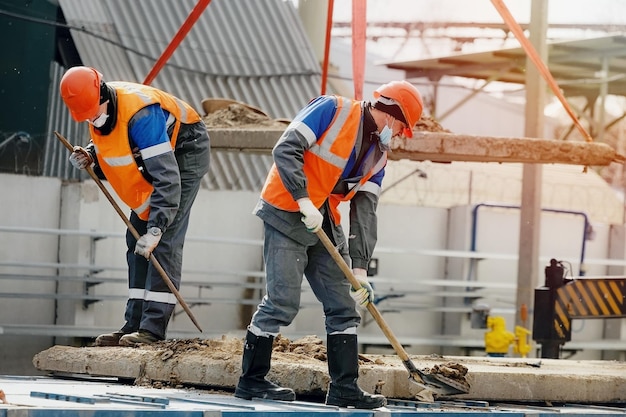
(448,232)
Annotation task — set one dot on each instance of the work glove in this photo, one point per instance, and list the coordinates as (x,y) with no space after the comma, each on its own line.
(364,295)
(312,218)
(146,243)
(81,158)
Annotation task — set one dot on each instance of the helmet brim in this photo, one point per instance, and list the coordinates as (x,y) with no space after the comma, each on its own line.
(84,116)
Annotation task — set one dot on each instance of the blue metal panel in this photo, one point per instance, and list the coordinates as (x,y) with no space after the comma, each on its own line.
(53,397)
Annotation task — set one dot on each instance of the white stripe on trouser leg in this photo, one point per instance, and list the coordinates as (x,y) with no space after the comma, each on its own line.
(349,330)
(160,297)
(136,293)
(260,333)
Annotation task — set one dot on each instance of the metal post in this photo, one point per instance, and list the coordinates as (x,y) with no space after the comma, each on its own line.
(530,215)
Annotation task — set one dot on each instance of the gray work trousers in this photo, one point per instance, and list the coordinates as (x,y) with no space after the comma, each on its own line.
(286,261)
(153,310)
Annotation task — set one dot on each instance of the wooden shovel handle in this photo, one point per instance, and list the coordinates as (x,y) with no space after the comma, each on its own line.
(334,253)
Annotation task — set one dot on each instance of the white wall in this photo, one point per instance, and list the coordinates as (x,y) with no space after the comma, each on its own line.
(506,114)
(217,215)
(33,203)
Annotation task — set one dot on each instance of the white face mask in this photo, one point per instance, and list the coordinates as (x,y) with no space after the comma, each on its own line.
(100,120)
(385,137)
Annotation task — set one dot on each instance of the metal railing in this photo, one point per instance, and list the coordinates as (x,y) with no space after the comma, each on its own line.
(397,295)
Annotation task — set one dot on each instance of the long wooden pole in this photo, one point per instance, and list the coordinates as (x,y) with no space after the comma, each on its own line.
(134,232)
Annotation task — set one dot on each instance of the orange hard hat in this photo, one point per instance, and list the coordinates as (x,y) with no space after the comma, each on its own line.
(80,90)
(408,98)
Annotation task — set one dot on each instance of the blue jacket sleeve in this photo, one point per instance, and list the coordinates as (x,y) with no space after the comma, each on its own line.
(148,132)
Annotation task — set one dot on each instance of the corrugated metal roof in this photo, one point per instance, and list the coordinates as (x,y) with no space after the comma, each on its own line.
(55,162)
(252,51)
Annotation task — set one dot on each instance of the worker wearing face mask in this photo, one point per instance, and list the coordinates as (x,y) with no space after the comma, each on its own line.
(334,150)
(153,148)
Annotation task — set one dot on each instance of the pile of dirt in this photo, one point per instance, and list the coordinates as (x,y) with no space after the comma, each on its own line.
(428,124)
(240,115)
(237,115)
(308,347)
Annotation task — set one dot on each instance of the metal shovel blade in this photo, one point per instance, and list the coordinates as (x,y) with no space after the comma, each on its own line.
(439,384)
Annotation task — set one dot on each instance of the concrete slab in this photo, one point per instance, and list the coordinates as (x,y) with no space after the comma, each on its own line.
(448,147)
(302,366)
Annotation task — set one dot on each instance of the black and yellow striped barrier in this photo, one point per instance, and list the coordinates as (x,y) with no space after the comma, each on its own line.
(588,298)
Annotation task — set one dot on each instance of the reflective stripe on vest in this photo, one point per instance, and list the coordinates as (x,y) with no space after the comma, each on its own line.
(364,184)
(119,161)
(324,147)
(115,156)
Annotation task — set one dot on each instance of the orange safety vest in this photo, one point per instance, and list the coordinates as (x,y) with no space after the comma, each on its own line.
(115,155)
(324,162)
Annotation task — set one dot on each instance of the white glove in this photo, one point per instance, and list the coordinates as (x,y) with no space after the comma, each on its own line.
(80,158)
(146,243)
(312,218)
(364,295)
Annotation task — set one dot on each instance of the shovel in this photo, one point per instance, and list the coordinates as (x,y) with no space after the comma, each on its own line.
(436,383)
(135,234)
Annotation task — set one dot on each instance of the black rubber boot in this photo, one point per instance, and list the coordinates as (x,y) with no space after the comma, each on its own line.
(343,367)
(257,354)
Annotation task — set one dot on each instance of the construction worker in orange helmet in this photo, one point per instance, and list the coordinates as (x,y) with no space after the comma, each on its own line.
(334,150)
(153,148)
(407,97)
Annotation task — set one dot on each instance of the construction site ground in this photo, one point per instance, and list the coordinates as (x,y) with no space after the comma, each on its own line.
(301,364)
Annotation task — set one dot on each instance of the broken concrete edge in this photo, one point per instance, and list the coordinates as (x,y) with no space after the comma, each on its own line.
(244,139)
(448,147)
(490,379)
